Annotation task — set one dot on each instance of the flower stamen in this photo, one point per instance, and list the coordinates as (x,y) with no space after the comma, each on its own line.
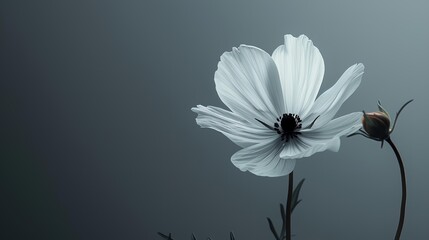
(287,126)
(290,124)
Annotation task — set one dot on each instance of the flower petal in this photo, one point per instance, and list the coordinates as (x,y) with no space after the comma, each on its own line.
(263,159)
(327,104)
(337,127)
(247,82)
(301,147)
(333,145)
(237,129)
(301,69)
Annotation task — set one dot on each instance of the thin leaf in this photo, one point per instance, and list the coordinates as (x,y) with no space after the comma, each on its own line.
(165,236)
(358,133)
(231,236)
(295,195)
(361,132)
(273,230)
(397,114)
(283,213)
(193,237)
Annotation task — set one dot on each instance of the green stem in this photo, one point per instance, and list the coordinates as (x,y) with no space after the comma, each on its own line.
(289,207)
(404,189)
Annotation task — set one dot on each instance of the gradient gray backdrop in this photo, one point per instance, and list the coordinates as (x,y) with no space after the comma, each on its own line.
(98,140)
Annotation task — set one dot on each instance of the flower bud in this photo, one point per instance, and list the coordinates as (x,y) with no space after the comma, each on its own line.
(376,125)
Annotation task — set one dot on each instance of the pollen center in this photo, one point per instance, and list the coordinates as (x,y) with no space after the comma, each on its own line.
(289,126)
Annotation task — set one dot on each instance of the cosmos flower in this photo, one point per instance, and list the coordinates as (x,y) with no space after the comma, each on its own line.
(273,111)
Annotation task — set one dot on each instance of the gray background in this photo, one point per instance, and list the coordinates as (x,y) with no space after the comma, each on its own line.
(98,140)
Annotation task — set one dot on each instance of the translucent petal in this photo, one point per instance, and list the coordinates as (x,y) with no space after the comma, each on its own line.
(247,82)
(327,104)
(263,159)
(301,69)
(236,128)
(335,128)
(304,147)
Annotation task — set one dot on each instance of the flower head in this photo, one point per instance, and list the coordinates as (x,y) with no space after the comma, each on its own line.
(376,125)
(275,114)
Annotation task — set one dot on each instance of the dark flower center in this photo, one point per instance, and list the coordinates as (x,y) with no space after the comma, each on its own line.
(289,126)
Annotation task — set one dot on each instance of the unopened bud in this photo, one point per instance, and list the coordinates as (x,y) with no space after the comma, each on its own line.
(376,125)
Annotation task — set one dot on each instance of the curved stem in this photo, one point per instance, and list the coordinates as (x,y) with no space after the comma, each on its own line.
(289,207)
(404,189)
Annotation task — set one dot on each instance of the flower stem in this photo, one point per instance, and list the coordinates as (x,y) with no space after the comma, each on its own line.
(289,207)
(404,189)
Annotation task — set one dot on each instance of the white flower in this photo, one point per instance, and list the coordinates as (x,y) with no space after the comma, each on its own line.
(274,114)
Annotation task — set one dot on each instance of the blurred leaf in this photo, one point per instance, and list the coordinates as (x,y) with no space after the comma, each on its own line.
(165,236)
(295,195)
(231,236)
(273,230)
(283,212)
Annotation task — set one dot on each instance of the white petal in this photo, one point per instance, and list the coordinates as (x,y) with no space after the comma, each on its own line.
(304,147)
(337,127)
(334,145)
(263,159)
(301,147)
(247,82)
(237,129)
(327,104)
(301,69)
(293,149)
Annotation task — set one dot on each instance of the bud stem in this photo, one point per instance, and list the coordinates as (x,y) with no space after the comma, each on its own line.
(404,189)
